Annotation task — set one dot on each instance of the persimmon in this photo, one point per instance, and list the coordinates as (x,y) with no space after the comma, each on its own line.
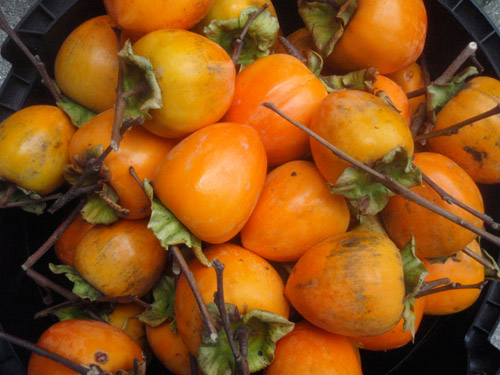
(301,39)
(476,147)
(285,81)
(212,180)
(124,317)
(86,66)
(313,351)
(295,211)
(387,35)
(250,282)
(120,259)
(396,95)
(196,77)
(85,342)
(434,235)
(139,149)
(66,245)
(360,124)
(34,143)
(169,348)
(140,17)
(394,338)
(459,269)
(410,78)
(351,284)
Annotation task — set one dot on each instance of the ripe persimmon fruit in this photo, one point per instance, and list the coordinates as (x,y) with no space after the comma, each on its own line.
(410,78)
(396,95)
(295,211)
(65,246)
(124,317)
(85,342)
(250,282)
(351,284)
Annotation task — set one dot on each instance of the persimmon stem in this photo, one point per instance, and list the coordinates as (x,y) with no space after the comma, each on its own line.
(47,283)
(193,365)
(80,369)
(418,120)
(207,319)
(11,189)
(133,173)
(241,335)
(240,360)
(128,298)
(239,41)
(390,183)
(453,129)
(35,59)
(416,93)
(33,258)
(119,210)
(478,258)
(291,49)
(451,286)
(452,200)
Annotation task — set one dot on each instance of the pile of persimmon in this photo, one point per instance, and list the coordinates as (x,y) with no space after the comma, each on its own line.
(316,251)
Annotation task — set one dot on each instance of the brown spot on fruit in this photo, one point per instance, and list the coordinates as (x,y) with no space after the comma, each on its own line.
(101,357)
(476,154)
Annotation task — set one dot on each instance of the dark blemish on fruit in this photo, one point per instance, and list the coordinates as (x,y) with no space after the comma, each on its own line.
(101,357)
(477,155)
(294,174)
(267,268)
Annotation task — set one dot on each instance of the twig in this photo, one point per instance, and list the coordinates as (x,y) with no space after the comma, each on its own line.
(427,285)
(451,286)
(119,210)
(193,365)
(485,262)
(35,60)
(32,259)
(241,362)
(452,200)
(241,334)
(207,319)
(418,119)
(291,49)
(132,172)
(390,183)
(80,369)
(31,201)
(129,298)
(238,42)
(47,283)
(453,129)
(11,189)
(60,306)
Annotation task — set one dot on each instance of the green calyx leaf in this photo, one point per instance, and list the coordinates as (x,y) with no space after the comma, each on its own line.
(169,230)
(314,63)
(81,287)
(138,72)
(162,308)
(258,40)
(362,80)
(415,273)
(326,22)
(22,195)
(77,113)
(367,196)
(99,208)
(102,310)
(263,330)
(440,94)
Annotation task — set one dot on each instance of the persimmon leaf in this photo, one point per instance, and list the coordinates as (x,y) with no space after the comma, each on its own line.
(97,211)
(258,40)
(362,80)
(77,113)
(102,310)
(81,287)
(162,308)
(21,195)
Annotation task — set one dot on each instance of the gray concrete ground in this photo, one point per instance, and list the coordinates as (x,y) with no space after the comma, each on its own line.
(15,9)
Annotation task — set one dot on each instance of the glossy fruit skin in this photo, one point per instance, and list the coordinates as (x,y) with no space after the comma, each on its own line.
(34,143)
(410,79)
(294,89)
(86,66)
(65,246)
(120,259)
(138,148)
(195,75)
(169,348)
(295,211)
(250,282)
(227,9)
(395,338)
(359,124)
(387,35)
(396,95)
(462,269)
(350,284)
(124,318)
(85,342)
(476,147)
(140,17)
(212,180)
(313,351)
(434,235)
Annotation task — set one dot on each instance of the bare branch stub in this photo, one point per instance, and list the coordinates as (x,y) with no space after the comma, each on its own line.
(483,261)
(452,286)
(47,283)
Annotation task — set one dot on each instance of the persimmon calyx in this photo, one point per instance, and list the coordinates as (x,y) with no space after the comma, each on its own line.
(102,207)
(140,87)
(414,274)
(325,22)
(162,308)
(362,80)
(77,113)
(168,229)
(258,40)
(102,310)
(367,196)
(81,287)
(265,329)
(20,195)
(440,94)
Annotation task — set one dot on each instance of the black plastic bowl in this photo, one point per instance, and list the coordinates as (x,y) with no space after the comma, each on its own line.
(455,344)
